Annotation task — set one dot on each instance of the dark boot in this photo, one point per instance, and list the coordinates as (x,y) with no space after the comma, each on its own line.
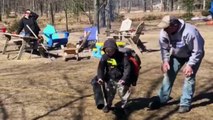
(155,103)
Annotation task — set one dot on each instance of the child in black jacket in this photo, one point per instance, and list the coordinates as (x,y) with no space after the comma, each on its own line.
(114,72)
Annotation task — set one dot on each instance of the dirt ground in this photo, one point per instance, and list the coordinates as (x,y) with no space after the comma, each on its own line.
(38,89)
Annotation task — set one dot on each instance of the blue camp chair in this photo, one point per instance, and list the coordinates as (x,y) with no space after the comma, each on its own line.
(93,33)
(93,37)
(91,40)
(211,9)
(54,38)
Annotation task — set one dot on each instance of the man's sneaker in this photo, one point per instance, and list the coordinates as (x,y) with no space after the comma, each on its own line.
(183,109)
(155,103)
(106,109)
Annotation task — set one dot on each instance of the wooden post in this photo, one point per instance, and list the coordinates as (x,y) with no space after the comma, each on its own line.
(21,49)
(8,38)
(52,14)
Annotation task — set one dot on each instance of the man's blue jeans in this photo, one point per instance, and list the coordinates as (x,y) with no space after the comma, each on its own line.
(169,78)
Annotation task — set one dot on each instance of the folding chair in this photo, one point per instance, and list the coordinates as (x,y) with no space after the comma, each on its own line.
(211,6)
(134,39)
(86,43)
(92,38)
(124,29)
(125,25)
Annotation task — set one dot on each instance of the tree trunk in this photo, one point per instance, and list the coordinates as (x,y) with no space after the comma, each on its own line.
(161,5)
(108,21)
(33,5)
(112,10)
(164,5)
(139,5)
(96,14)
(47,8)
(17,10)
(3,7)
(87,14)
(129,6)
(66,17)
(118,6)
(90,17)
(51,14)
(204,4)
(1,10)
(84,4)
(41,7)
(144,5)
(171,5)
(151,5)
(103,16)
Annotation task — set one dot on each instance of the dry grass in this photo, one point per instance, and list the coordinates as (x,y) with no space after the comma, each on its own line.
(37,89)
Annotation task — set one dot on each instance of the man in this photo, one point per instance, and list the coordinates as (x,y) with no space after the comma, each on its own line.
(29,20)
(181,45)
(114,73)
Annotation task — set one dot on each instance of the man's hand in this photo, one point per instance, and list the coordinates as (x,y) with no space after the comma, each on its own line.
(165,67)
(100,81)
(121,82)
(188,71)
(14,33)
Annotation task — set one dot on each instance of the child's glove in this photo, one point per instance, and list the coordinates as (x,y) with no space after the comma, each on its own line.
(100,81)
(121,82)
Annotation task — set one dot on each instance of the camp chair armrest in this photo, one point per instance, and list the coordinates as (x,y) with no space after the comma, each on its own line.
(66,33)
(114,31)
(50,35)
(59,35)
(63,32)
(47,35)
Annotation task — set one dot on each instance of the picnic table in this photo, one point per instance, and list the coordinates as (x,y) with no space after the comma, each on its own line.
(24,41)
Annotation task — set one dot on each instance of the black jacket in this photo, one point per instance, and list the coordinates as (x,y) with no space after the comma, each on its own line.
(31,22)
(116,67)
